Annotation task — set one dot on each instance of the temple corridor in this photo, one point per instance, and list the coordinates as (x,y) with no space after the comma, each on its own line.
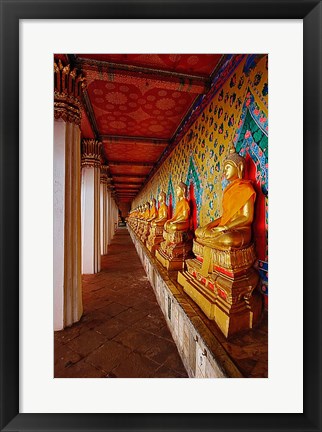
(160,215)
(122,332)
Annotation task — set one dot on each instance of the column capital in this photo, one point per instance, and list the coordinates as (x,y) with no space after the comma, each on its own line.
(91,152)
(68,87)
(104,169)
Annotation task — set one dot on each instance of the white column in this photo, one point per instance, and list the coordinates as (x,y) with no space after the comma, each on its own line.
(91,248)
(109,215)
(116,216)
(68,306)
(104,210)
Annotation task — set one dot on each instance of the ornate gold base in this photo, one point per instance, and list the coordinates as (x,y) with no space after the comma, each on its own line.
(155,238)
(145,232)
(175,249)
(222,284)
(153,247)
(230,318)
(169,263)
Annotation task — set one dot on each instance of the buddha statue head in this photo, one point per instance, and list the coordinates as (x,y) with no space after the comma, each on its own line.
(162,196)
(182,190)
(234,165)
(152,202)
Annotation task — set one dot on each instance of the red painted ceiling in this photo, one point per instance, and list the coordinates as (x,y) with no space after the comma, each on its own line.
(134,104)
(198,64)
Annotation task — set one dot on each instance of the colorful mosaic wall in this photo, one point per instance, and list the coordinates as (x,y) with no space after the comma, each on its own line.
(236,113)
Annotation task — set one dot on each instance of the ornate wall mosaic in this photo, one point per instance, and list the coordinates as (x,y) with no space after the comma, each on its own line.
(238,114)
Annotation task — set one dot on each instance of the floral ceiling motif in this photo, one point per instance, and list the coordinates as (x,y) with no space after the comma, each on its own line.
(135,104)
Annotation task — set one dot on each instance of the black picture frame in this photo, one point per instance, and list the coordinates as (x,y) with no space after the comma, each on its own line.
(11,13)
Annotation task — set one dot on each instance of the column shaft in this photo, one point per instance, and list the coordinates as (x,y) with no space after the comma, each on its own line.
(91,248)
(67,222)
(68,87)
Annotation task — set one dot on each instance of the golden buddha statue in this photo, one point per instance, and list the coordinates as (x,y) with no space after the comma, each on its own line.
(156,229)
(180,220)
(233,228)
(146,214)
(177,235)
(139,218)
(162,212)
(153,212)
(222,279)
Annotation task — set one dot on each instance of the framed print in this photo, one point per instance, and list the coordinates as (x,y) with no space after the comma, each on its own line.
(32,397)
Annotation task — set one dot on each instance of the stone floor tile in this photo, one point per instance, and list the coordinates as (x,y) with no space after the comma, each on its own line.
(82,369)
(161,349)
(136,366)
(174,362)
(87,342)
(164,332)
(108,356)
(131,315)
(151,323)
(111,327)
(113,309)
(139,341)
(63,358)
(70,333)
(164,372)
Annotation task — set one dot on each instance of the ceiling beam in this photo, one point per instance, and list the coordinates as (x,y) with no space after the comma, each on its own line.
(90,114)
(171,80)
(141,176)
(127,190)
(139,164)
(135,140)
(124,182)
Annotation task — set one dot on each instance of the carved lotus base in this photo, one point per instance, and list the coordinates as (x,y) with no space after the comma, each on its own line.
(155,238)
(234,261)
(175,249)
(145,231)
(140,227)
(225,294)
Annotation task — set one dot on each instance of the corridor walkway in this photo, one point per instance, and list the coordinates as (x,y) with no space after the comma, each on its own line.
(122,333)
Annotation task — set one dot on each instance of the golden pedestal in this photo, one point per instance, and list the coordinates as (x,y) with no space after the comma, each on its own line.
(226,293)
(139,229)
(175,249)
(145,231)
(155,238)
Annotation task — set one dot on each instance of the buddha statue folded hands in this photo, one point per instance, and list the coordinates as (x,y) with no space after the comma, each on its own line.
(233,228)
(177,235)
(222,279)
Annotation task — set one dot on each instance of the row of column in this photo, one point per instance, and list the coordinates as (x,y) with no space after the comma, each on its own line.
(85,213)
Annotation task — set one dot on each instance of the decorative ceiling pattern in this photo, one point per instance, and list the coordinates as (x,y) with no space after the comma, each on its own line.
(199,64)
(135,104)
(125,151)
(138,110)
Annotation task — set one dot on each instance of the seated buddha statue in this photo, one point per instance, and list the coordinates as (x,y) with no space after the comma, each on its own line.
(156,229)
(146,213)
(233,229)
(152,214)
(162,212)
(139,218)
(177,235)
(181,218)
(153,210)
(222,278)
